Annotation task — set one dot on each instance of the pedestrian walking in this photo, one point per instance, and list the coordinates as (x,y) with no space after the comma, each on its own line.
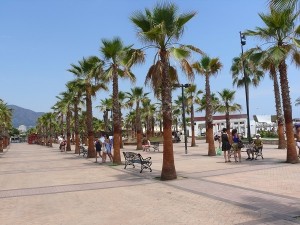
(225,145)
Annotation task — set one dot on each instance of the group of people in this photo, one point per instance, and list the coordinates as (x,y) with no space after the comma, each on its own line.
(62,143)
(234,143)
(103,147)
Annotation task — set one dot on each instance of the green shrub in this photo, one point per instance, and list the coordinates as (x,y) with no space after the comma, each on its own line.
(268,134)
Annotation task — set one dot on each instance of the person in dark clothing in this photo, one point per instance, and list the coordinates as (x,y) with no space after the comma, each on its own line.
(225,145)
(98,146)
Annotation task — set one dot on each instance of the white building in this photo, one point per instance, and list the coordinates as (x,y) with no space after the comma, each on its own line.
(22,128)
(237,121)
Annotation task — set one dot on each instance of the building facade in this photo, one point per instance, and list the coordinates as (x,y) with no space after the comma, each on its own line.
(237,121)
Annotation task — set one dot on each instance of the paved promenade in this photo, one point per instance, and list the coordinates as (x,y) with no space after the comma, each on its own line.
(40,185)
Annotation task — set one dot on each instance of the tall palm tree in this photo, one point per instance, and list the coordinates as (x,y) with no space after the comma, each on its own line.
(162,28)
(76,87)
(88,72)
(119,59)
(208,67)
(49,119)
(267,62)
(136,97)
(67,99)
(280,37)
(59,111)
(227,106)
(192,94)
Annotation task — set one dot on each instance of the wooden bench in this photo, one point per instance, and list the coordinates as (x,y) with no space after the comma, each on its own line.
(131,158)
(83,150)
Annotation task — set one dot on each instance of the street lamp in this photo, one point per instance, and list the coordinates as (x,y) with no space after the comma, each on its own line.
(183,112)
(243,42)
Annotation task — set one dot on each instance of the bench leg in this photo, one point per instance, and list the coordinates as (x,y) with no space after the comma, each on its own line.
(146,166)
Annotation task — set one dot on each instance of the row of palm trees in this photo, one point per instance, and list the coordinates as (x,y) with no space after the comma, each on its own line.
(278,42)
(5,124)
(161,29)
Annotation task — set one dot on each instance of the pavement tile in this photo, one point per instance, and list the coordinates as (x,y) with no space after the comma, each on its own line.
(40,185)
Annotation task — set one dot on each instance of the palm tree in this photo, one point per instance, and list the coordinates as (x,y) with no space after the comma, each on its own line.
(49,119)
(162,28)
(136,97)
(130,123)
(5,124)
(88,73)
(192,94)
(67,98)
(119,59)
(283,4)
(254,73)
(278,35)
(227,106)
(268,63)
(148,112)
(122,104)
(202,103)
(177,112)
(214,101)
(106,106)
(60,111)
(76,87)
(207,67)
(297,102)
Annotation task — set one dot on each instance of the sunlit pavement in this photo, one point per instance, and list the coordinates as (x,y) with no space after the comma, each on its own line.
(41,185)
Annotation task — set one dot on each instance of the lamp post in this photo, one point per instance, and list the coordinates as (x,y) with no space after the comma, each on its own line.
(183,112)
(243,42)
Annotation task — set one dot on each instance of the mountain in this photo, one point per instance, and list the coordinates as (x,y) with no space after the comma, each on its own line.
(23,116)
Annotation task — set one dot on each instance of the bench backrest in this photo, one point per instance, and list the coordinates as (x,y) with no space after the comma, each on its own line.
(155,143)
(130,155)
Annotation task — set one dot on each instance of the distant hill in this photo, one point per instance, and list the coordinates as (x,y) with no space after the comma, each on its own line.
(23,116)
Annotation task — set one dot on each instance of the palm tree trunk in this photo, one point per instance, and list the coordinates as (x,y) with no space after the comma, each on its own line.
(51,133)
(152,126)
(139,133)
(209,120)
(62,124)
(287,111)
(76,128)
(148,127)
(68,121)
(227,118)
(89,126)
(168,168)
(121,130)
(193,142)
(116,118)
(280,119)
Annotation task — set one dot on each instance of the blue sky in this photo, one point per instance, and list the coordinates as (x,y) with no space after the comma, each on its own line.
(40,39)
